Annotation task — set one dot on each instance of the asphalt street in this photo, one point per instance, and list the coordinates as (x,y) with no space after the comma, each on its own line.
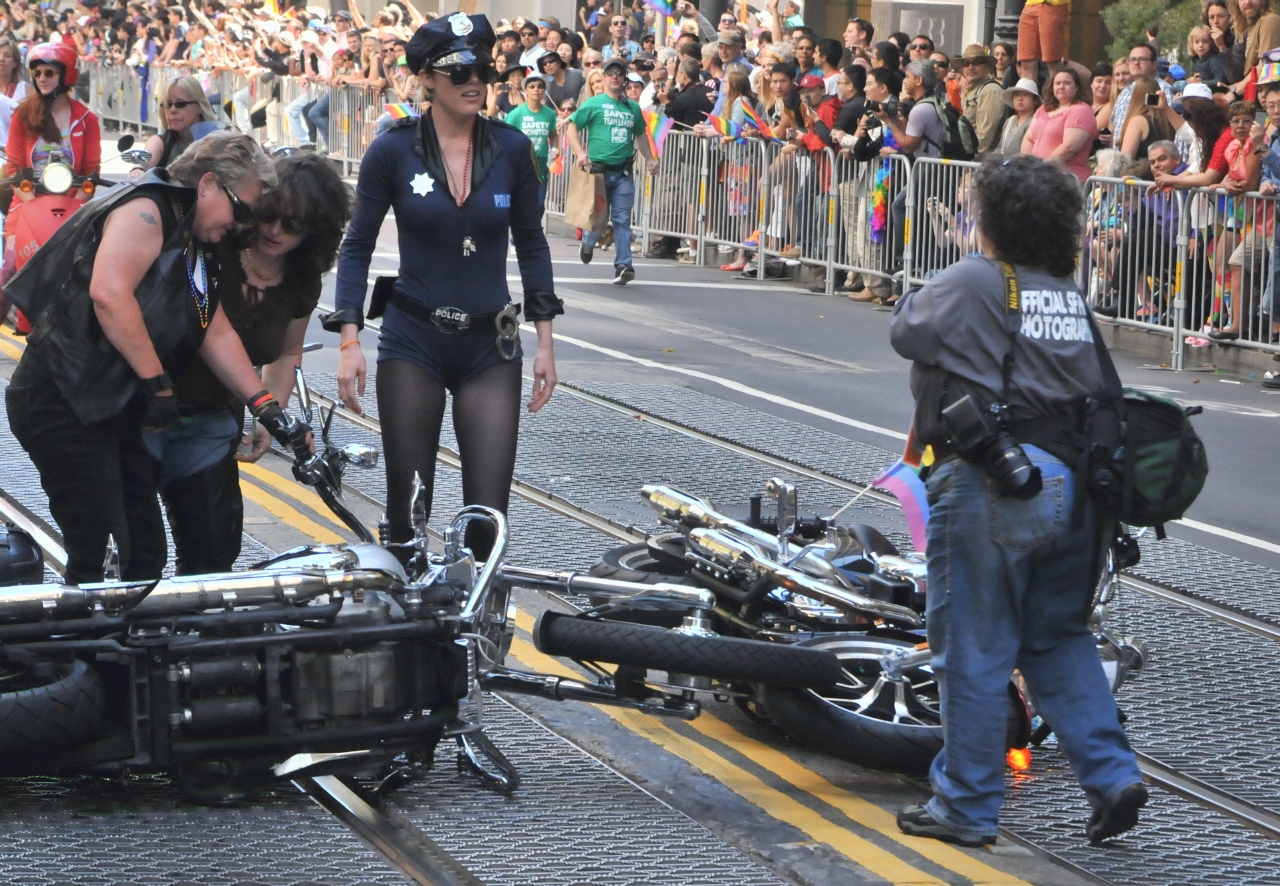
(826,362)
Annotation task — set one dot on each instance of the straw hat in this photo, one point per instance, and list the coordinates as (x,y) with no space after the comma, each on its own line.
(973,51)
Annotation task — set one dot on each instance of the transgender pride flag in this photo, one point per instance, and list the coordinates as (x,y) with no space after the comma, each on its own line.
(904,482)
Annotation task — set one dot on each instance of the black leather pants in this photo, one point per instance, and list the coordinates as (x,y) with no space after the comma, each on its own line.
(206,518)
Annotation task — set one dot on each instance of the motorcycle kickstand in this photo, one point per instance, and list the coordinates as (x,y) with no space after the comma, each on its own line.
(478,754)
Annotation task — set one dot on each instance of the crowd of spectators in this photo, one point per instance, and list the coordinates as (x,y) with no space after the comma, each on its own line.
(1191,115)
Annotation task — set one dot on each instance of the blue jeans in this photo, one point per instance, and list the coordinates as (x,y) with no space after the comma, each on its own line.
(319,117)
(620,191)
(1010,585)
(303,133)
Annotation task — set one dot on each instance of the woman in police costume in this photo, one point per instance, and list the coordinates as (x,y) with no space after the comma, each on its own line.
(460,183)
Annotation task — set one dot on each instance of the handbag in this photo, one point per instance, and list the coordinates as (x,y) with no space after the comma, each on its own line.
(585,205)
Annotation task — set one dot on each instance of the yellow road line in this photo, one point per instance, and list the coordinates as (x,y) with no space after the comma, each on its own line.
(856,808)
(777,804)
(293,489)
(10,351)
(290,515)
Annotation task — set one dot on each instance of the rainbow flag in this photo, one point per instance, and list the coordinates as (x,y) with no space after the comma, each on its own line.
(661,7)
(271,6)
(904,482)
(727,128)
(401,111)
(759,123)
(658,126)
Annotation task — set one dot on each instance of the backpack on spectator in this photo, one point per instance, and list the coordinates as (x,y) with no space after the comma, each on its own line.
(959,139)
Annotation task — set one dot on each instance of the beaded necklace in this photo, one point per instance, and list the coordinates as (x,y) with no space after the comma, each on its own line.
(199,291)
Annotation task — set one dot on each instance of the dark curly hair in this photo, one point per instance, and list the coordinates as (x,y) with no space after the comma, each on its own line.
(1030,210)
(311,193)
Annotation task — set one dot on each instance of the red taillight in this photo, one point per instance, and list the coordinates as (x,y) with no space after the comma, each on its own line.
(1019,759)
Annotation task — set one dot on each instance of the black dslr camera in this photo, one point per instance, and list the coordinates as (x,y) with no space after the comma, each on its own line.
(979,436)
(891,107)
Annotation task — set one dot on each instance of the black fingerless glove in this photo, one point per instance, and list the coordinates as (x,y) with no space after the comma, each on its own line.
(162,412)
(287,430)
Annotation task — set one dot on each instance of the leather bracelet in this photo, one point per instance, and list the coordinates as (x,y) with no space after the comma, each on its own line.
(346,344)
(258,399)
(157,383)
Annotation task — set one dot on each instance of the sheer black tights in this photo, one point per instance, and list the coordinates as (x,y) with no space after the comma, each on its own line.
(486,420)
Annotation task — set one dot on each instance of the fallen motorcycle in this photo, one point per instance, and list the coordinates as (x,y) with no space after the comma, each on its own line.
(354,659)
(814,584)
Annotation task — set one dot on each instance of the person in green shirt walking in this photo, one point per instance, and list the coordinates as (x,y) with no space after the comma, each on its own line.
(615,130)
(538,122)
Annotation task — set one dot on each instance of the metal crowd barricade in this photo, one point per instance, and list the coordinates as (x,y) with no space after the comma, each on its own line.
(941,226)
(1231,267)
(1134,254)
(675,204)
(736,172)
(865,232)
(799,206)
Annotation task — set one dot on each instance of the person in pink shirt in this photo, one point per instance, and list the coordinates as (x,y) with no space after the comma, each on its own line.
(1064,128)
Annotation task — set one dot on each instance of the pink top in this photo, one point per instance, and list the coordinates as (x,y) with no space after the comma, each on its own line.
(1047,131)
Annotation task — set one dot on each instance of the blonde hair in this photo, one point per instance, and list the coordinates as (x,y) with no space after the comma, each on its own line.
(231,156)
(1201,31)
(595,79)
(194,91)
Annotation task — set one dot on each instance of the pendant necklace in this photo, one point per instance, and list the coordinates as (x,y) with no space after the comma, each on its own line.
(468,245)
(199,290)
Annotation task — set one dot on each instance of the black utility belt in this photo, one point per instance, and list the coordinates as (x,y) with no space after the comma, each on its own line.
(454,321)
(601,167)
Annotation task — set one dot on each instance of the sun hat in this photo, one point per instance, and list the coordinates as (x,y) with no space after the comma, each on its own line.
(1025,84)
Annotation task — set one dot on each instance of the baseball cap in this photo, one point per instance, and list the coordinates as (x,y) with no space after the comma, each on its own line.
(1197,90)
(342,14)
(616,62)
(812,81)
(309,36)
(634,78)
(730,38)
(541,78)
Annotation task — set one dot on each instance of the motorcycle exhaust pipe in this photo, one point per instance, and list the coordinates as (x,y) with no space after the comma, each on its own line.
(173,596)
(660,596)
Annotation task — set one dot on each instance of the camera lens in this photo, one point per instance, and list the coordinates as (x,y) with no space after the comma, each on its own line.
(1012,470)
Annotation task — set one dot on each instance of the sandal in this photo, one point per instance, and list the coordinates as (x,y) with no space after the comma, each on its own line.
(738,266)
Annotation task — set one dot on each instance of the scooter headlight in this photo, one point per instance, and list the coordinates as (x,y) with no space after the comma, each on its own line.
(57,178)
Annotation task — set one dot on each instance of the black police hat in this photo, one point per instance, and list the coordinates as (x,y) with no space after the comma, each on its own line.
(458,39)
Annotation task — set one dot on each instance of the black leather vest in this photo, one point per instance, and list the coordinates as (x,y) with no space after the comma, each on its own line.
(53,290)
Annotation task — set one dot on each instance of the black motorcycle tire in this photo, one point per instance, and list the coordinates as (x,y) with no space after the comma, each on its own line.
(62,714)
(637,563)
(820,723)
(659,649)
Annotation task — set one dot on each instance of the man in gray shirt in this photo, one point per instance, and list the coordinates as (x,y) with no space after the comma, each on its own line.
(1012,570)
(562,83)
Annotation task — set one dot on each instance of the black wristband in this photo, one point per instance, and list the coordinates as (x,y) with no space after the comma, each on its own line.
(156,384)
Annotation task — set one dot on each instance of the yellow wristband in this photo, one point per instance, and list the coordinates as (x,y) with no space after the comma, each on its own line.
(347,344)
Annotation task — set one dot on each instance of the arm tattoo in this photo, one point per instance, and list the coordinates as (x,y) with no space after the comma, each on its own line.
(147,217)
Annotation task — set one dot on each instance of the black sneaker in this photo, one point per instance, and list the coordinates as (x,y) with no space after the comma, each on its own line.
(625,275)
(1120,816)
(819,288)
(916,821)
(585,252)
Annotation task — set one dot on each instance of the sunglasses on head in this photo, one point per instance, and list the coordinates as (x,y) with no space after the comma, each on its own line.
(176,105)
(460,75)
(241,211)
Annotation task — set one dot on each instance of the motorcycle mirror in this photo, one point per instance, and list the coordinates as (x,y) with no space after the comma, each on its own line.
(304,396)
(362,455)
(137,156)
(125,143)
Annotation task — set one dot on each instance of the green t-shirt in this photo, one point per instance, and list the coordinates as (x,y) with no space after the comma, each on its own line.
(611,125)
(538,126)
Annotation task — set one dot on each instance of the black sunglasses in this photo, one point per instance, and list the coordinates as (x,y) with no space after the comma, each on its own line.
(461,74)
(241,211)
(291,226)
(919,46)
(178,105)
